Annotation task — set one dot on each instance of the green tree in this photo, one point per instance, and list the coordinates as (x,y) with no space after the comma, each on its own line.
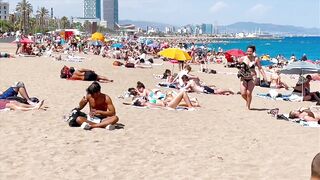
(53,24)
(25,9)
(87,26)
(64,22)
(5,26)
(42,14)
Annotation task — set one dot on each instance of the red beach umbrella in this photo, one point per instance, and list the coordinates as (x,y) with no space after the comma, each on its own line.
(24,41)
(236,52)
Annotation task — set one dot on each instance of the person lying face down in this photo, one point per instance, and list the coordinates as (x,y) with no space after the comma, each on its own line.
(82,74)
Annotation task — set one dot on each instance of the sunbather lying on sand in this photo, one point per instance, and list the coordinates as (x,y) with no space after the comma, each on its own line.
(14,105)
(308,114)
(191,86)
(18,88)
(82,74)
(181,99)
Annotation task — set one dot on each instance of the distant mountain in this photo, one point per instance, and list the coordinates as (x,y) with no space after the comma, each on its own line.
(145,24)
(250,27)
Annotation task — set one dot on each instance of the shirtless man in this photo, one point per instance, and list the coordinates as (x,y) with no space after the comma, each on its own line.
(82,74)
(190,85)
(102,112)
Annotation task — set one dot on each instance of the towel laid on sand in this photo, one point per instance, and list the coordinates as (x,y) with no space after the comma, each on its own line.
(281,97)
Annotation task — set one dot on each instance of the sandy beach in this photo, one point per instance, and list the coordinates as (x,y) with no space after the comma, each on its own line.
(220,140)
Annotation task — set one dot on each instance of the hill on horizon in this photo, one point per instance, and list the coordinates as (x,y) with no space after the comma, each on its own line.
(250,27)
(247,27)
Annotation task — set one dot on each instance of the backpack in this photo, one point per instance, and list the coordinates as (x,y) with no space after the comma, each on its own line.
(74,114)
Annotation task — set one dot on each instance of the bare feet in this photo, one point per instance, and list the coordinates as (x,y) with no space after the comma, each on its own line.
(38,105)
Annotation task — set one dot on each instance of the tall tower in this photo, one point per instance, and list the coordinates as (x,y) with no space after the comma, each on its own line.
(92,9)
(111,12)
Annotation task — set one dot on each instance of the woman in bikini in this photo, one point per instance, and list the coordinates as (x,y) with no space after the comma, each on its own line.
(170,101)
(248,74)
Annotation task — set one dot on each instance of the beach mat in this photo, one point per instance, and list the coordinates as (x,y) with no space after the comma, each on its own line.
(283,97)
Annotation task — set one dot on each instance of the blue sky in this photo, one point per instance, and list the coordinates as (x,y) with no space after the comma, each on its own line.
(304,13)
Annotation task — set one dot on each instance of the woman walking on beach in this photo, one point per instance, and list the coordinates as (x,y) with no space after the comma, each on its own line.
(248,74)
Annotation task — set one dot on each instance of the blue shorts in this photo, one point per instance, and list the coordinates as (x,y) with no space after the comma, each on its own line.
(8,93)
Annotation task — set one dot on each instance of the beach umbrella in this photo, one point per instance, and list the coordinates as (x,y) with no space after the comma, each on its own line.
(301,67)
(117,45)
(97,36)
(24,41)
(236,52)
(175,54)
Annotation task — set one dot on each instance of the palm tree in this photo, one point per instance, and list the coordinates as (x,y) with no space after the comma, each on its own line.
(64,22)
(42,13)
(25,9)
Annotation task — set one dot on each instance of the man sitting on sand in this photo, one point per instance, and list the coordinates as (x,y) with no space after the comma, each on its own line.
(82,74)
(315,168)
(191,86)
(102,112)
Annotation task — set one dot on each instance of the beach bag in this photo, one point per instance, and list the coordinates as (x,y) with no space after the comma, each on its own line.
(74,114)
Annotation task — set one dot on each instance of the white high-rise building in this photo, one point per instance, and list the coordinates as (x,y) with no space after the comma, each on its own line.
(4,10)
(110,11)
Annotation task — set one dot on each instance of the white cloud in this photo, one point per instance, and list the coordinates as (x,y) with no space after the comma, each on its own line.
(218,6)
(259,9)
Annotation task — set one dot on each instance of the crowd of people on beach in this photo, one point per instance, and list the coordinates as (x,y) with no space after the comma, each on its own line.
(135,52)
(131,53)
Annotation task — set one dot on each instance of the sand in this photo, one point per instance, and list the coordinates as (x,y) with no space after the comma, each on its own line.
(220,140)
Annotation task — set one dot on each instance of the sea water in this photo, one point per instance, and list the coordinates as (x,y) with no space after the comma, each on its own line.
(285,46)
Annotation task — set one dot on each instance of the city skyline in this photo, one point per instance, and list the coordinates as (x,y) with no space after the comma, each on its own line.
(183,12)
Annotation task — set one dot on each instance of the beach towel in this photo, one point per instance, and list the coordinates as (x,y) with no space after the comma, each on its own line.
(302,122)
(281,97)
(26,55)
